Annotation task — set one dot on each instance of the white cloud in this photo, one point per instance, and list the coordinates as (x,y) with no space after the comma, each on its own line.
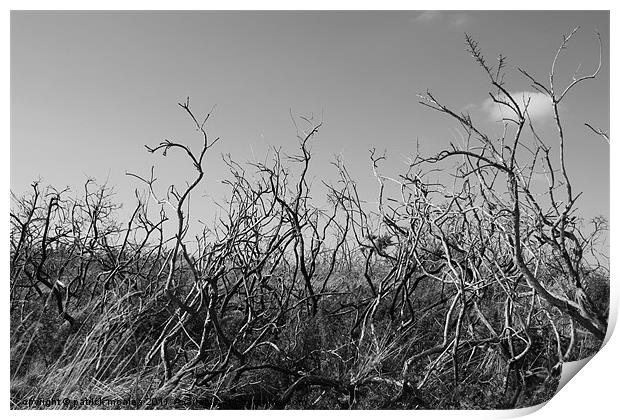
(539,107)
(428,16)
(451,20)
(459,20)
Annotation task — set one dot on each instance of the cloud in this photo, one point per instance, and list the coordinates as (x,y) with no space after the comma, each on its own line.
(539,107)
(452,20)
(459,20)
(428,16)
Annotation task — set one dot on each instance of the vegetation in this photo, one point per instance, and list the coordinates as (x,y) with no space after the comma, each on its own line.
(467,296)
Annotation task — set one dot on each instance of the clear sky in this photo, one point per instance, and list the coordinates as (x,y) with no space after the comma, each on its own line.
(90,89)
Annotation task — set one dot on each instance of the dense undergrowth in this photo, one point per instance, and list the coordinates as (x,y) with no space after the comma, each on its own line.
(464,297)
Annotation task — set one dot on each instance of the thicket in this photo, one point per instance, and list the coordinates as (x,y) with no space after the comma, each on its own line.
(468,295)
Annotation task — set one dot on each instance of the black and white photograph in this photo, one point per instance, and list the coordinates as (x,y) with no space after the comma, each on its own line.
(306,209)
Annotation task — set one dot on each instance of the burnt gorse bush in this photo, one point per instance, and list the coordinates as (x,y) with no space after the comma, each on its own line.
(462,294)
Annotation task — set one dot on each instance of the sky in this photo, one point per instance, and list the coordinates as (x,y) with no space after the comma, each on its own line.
(90,89)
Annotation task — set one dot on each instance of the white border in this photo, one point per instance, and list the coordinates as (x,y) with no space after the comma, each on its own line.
(594,394)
